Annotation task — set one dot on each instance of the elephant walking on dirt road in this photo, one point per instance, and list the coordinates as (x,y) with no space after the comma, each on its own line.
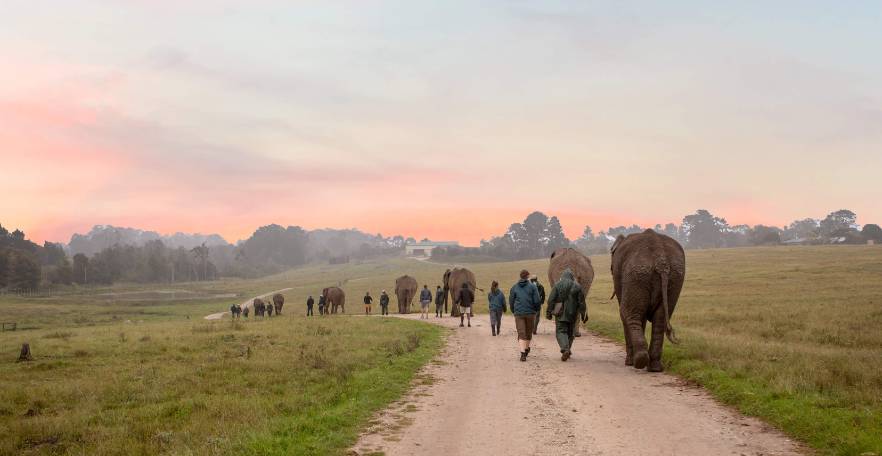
(578,264)
(648,271)
(334,297)
(453,280)
(405,288)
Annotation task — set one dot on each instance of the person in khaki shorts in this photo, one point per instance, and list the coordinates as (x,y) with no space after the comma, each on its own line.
(524,301)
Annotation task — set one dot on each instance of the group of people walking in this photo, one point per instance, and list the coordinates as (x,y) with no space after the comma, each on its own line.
(566,305)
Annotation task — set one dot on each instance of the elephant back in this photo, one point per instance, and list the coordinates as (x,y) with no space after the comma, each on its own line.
(575,261)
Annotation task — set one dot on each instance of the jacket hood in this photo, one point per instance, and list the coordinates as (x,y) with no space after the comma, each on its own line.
(567,274)
(523,282)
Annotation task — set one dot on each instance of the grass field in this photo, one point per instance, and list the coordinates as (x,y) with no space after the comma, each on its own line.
(790,334)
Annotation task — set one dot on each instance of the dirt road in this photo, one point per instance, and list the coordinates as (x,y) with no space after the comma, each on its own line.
(477,398)
(245,304)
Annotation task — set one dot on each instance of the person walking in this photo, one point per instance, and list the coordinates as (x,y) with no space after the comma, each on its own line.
(384,303)
(321,304)
(566,303)
(440,301)
(465,298)
(269,310)
(497,307)
(425,300)
(309,303)
(368,300)
(524,300)
(535,281)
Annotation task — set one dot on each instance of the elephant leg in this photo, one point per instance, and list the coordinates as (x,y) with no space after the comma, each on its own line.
(657,341)
(634,304)
(629,349)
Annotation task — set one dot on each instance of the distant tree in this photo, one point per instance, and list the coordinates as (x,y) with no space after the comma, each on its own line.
(23,271)
(52,253)
(624,230)
(839,223)
(872,232)
(80,268)
(704,230)
(808,229)
(554,236)
(60,273)
(765,235)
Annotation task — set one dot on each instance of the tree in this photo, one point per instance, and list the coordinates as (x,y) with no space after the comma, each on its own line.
(839,223)
(765,235)
(554,236)
(872,232)
(703,229)
(80,268)
(23,271)
(806,229)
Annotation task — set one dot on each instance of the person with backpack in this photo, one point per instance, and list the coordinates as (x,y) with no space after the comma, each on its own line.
(497,307)
(321,304)
(566,303)
(368,300)
(465,298)
(524,300)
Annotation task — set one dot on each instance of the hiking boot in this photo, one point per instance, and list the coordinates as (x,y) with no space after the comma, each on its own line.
(527,351)
(470,324)
(493,331)
(565,355)
(523,356)
(461,325)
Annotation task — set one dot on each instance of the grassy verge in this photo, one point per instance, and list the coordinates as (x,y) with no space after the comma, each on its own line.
(290,385)
(790,335)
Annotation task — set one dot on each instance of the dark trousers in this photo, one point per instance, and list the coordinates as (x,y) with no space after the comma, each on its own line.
(536,324)
(564,332)
(384,310)
(439,309)
(308,311)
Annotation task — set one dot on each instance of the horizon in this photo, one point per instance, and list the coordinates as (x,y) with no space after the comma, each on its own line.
(438,121)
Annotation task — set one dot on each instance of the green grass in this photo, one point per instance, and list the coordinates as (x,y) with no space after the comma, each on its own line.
(288,385)
(788,334)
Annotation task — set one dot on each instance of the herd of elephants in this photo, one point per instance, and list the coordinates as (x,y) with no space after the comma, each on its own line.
(648,270)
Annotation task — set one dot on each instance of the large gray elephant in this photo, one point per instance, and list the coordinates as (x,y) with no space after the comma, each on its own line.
(278,302)
(453,280)
(648,271)
(334,297)
(405,288)
(579,264)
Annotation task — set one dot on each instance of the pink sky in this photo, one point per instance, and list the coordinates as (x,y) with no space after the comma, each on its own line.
(344,116)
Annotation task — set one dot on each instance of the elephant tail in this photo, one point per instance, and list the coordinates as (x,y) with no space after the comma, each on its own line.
(669,330)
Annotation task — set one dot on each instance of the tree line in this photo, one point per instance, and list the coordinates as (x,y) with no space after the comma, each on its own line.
(136,256)
(539,235)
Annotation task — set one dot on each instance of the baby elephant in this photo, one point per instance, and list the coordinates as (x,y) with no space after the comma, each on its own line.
(648,270)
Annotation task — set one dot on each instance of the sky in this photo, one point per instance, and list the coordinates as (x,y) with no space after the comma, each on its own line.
(448,120)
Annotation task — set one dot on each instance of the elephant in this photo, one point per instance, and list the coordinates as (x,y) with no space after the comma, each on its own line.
(278,302)
(580,265)
(648,270)
(453,280)
(259,307)
(334,297)
(405,288)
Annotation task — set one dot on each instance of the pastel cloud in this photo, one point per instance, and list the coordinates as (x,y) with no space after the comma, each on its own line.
(344,115)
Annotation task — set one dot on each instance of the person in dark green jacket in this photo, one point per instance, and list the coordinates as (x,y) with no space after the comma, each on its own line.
(524,301)
(571,295)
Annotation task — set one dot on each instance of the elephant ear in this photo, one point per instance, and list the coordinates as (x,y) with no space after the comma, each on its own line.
(616,244)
